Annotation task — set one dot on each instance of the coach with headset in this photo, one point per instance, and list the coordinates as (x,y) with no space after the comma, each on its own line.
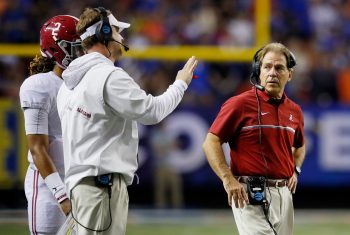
(99,106)
(265,132)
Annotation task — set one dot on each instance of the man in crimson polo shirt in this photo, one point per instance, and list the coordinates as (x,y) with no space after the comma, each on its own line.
(265,132)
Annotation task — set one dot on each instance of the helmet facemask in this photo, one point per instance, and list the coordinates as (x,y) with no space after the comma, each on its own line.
(72,50)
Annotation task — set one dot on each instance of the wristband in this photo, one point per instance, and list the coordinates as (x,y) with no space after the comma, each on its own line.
(297,170)
(56,186)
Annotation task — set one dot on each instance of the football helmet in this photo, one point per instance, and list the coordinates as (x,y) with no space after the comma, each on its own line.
(59,40)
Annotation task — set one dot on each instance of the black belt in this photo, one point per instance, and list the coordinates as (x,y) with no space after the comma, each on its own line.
(270,182)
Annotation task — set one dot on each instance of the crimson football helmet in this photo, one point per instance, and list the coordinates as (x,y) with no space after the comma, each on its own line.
(60,41)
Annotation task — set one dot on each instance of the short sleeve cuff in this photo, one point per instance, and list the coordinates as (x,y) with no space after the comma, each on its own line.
(36,121)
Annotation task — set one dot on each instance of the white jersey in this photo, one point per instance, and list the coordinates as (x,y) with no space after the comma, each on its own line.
(99,106)
(38,98)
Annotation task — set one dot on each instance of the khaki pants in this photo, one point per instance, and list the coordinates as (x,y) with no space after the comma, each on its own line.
(90,206)
(251,219)
(168,187)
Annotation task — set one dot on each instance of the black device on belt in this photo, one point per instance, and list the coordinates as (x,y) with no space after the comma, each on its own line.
(256,187)
(104,181)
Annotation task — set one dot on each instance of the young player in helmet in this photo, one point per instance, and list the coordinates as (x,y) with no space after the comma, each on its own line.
(48,203)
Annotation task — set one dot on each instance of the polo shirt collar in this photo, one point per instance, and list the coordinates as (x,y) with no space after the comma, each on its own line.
(271,100)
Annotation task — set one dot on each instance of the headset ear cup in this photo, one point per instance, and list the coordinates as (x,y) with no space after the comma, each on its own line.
(256,71)
(291,60)
(256,66)
(103,32)
(104,29)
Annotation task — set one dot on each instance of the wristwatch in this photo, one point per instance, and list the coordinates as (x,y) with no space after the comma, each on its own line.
(297,170)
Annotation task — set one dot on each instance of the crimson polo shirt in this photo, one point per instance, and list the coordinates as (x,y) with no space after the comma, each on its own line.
(282,127)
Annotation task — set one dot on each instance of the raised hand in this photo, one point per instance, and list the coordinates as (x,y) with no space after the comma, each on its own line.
(186,73)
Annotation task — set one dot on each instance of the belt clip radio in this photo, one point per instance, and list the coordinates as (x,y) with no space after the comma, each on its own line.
(256,187)
(104,181)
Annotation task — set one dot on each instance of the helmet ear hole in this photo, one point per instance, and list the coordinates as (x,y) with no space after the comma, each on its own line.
(53,49)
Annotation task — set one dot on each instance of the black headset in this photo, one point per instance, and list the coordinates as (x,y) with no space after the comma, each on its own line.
(254,77)
(103,30)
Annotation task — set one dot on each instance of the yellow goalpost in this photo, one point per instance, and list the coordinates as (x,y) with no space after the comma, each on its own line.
(204,53)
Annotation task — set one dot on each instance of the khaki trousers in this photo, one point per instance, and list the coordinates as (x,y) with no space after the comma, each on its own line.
(251,220)
(90,206)
(168,187)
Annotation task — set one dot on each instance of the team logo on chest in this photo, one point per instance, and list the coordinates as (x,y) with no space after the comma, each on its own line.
(290,117)
(84,113)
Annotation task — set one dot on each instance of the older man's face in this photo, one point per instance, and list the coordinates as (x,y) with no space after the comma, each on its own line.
(274,73)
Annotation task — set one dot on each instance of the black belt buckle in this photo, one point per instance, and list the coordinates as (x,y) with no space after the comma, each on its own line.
(104,181)
(256,187)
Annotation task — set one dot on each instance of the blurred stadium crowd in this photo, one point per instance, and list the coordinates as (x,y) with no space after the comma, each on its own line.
(317,31)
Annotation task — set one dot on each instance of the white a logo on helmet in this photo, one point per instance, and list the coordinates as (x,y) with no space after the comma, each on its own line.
(54,30)
(90,31)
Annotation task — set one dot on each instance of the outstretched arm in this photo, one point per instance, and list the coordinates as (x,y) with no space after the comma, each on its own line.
(128,100)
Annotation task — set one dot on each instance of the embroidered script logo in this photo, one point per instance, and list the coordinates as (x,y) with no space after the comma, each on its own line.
(86,114)
(262,113)
(290,117)
(54,30)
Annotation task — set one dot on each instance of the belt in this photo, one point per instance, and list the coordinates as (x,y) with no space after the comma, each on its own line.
(277,183)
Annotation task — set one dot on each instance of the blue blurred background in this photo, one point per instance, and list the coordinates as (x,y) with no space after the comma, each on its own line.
(317,31)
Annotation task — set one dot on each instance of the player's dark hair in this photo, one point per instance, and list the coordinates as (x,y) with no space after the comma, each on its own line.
(41,64)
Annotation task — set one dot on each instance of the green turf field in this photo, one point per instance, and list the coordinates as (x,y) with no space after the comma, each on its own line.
(201,222)
(171,229)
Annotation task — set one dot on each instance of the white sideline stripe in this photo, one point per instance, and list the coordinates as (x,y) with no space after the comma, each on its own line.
(287,128)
